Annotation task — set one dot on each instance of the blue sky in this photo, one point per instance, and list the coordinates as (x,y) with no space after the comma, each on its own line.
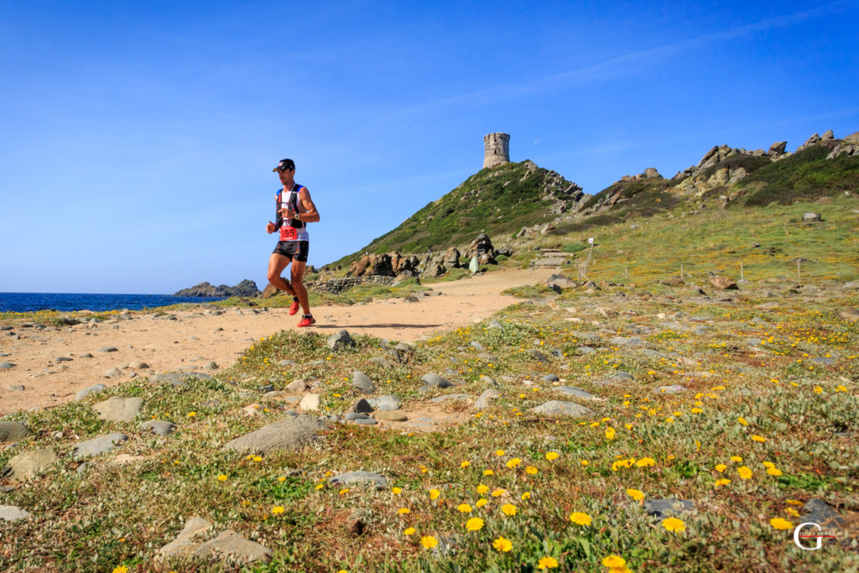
(137,138)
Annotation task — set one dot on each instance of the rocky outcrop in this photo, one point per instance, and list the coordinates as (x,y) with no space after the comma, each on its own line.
(246,288)
(481,247)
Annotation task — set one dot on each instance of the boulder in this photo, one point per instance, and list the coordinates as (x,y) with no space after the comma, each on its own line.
(435,381)
(160,427)
(362,382)
(777,149)
(11,432)
(483,402)
(340,340)
(723,283)
(560,408)
(290,434)
(232,546)
(96,446)
(481,247)
(451,258)
(28,465)
(118,409)
(185,542)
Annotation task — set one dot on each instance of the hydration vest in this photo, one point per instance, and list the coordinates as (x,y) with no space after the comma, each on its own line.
(292,229)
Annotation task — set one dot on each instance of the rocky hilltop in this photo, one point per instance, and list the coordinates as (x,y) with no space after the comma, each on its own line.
(246,288)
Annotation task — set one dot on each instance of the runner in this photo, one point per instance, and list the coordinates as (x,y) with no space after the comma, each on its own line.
(295,209)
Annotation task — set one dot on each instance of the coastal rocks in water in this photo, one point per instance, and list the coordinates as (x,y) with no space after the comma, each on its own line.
(118,409)
(96,446)
(290,434)
(28,465)
(559,408)
(87,391)
(246,288)
(11,432)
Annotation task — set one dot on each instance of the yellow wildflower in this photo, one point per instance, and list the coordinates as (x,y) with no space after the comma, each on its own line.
(409,531)
(474,524)
(502,544)
(645,462)
(464,508)
(780,523)
(277,510)
(551,456)
(428,541)
(674,524)
(580,518)
(513,463)
(635,494)
(614,562)
(508,509)
(403,510)
(744,472)
(721,467)
(547,563)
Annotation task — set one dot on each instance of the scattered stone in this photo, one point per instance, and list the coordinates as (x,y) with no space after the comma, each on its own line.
(16,388)
(365,421)
(211,365)
(290,434)
(823,360)
(488,381)
(6,366)
(12,513)
(360,478)
(477,346)
(819,512)
(184,543)
(622,376)
(723,283)
(449,397)
(673,389)
(559,408)
(662,508)
(483,402)
(28,465)
(390,416)
(113,373)
(138,365)
(362,382)
(310,403)
(627,342)
(12,432)
(812,217)
(575,392)
(232,546)
(179,379)
(160,427)
(436,381)
(850,314)
(354,416)
(108,349)
(551,378)
(673,281)
(386,403)
(96,446)
(851,285)
(538,356)
(297,386)
(340,340)
(361,406)
(118,409)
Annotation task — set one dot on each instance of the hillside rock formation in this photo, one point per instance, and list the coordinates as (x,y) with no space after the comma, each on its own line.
(246,288)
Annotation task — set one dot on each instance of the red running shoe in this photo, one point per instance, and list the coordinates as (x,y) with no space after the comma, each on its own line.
(293,308)
(307,321)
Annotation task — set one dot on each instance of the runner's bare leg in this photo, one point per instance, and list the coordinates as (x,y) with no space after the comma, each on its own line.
(301,292)
(276,264)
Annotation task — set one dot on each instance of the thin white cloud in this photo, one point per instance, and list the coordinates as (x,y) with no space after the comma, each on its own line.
(614,67)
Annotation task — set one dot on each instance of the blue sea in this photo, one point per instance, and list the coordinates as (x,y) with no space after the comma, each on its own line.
(34,301)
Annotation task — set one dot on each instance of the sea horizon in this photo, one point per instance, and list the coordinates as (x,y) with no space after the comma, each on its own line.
(96,302)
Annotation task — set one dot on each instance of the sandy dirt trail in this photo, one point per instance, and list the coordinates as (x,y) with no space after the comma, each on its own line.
(195,338)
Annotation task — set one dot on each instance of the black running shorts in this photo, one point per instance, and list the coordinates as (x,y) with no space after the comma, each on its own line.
(295,250)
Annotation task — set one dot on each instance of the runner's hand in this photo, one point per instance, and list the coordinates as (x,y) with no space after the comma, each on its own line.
(270,228)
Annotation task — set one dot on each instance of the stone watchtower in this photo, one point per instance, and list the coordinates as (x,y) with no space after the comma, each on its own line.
(496,149)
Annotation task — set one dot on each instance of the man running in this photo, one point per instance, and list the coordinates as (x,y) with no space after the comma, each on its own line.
(295,209)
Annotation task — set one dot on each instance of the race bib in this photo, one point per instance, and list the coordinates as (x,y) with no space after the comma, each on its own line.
(288,233)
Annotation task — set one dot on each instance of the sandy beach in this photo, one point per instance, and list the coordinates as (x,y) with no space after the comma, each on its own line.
(54,363)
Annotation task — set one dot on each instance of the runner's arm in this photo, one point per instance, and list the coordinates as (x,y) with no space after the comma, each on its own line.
(310,214)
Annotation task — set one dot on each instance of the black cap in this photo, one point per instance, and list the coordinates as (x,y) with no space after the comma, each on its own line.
(284,165)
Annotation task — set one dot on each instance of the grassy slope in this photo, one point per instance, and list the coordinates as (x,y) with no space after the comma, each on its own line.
(495,201)
(114,515)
